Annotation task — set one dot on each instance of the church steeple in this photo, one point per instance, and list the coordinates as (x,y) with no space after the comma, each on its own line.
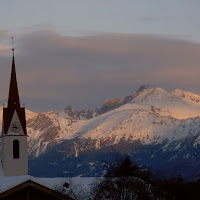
(14,156)
(13,105)
(13,98)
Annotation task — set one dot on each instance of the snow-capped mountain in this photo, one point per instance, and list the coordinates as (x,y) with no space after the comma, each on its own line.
(112,104)
(150,115)
(49,129)
(156,127)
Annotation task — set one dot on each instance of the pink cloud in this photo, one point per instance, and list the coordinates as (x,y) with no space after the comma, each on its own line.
(93,68)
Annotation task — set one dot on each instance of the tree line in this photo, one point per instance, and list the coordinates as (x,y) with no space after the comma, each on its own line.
(125,180)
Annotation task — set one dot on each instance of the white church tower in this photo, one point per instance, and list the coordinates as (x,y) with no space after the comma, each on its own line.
(14,153)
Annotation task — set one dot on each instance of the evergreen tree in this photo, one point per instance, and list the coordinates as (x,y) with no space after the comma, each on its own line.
(124,181)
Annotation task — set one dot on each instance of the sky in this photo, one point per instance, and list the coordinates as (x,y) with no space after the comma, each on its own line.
(83,52)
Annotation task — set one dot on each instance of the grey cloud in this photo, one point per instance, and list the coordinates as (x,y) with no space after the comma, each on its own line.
(86,70)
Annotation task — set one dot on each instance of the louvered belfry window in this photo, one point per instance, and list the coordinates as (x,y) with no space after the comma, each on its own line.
(16,149)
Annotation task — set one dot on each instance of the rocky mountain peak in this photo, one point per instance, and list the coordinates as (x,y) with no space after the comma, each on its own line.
(112,104)
(158,96)
(79,114)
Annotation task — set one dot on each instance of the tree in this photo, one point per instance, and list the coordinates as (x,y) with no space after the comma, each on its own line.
(124,181)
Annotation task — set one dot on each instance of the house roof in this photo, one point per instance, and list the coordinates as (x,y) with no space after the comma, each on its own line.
(30,184)
(78,185)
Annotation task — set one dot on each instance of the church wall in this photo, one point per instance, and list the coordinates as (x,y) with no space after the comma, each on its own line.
(14,166)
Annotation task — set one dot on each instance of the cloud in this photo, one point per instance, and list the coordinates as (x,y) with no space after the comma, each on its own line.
(87,70)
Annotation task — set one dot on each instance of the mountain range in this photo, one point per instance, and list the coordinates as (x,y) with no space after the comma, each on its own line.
(157,128)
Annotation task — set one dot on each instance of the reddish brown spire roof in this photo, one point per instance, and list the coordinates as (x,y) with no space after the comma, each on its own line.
(13,97)
(13,103)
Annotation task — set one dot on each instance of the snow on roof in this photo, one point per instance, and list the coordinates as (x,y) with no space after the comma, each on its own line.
(9,182)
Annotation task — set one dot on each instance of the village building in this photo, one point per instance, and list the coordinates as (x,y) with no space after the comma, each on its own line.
(29,188)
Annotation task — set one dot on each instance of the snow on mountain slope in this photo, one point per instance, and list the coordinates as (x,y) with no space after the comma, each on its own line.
(151,117)
(156,127)
(131,124)
(46,130)
(158,96)
(154,115)
(30,114)
(170,104)
(188,97)
(140,124)
(112,104)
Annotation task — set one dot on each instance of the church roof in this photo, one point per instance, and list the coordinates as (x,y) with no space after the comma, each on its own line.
(13,103)
(30,186)
(79,185)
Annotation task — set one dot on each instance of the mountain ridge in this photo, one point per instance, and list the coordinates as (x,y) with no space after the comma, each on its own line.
(152,122)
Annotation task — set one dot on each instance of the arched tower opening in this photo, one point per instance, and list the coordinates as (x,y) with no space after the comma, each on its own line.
(16,149)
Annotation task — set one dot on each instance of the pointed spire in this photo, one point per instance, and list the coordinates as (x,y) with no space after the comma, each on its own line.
(13,98)
(13,103)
